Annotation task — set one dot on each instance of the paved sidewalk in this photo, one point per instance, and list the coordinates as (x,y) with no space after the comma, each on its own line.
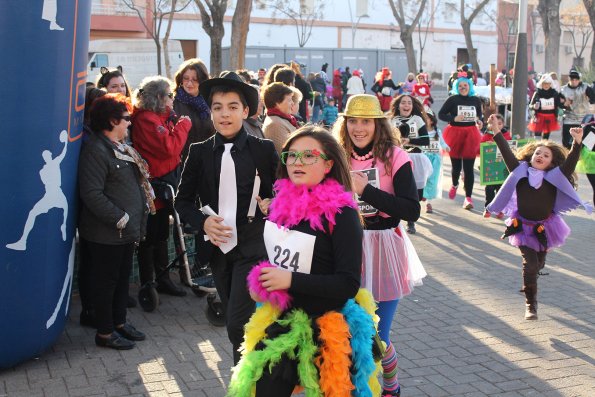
(461,334)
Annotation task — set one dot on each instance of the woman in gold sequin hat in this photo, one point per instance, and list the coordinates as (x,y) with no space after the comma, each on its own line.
(382,177)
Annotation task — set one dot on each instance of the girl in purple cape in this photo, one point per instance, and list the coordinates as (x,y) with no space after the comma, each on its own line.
(539,189)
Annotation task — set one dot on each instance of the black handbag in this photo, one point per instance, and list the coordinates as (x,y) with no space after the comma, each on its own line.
(161,185)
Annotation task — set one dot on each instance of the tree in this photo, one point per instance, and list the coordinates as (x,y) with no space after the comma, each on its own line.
(240,25)
(152,18)
(300,13)
(407,28)
(590,6)
(168,71)
(549,11)
(422,42)
(466,25)
(212,23)
(577,24)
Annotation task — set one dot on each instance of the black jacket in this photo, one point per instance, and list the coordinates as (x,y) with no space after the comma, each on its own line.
(201,129)
(108,188)
(198,187)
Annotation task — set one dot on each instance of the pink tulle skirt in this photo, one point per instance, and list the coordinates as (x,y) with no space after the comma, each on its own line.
(391,267)
(556,231)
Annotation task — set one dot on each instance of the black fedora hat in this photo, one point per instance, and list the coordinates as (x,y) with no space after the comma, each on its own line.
(231,79)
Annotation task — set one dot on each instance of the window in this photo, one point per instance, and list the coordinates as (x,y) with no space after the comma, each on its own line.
(513,26)
(510,60)
(450,12)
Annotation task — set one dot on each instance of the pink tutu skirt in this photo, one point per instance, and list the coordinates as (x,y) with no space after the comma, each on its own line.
(391,267)
(556,231)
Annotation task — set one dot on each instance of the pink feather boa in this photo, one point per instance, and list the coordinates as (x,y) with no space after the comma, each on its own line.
(293,204)
(279,298)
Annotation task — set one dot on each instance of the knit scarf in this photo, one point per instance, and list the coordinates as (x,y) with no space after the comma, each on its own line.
(295,203)
(197,102)
(126,152)
(278,113)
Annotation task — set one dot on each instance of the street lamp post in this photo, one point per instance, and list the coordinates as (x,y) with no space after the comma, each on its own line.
(534,16)
(354,24)
(519,83)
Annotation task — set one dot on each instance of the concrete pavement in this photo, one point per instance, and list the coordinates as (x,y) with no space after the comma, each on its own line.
(460,334)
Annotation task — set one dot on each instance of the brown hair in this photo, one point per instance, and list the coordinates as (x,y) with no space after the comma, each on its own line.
(269,78)
(418,107)
(385,139)
(195,64)
(340,169)
(285,76)
(559,154)
(274,93)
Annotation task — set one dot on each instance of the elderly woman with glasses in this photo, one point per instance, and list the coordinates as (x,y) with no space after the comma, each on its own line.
(188,102)
(159,136)
(115,196)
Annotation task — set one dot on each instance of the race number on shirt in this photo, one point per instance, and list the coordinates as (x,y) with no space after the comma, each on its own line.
(289,249)
(434,147)
(373,179)
(547,103)
(412,131)
(468,112)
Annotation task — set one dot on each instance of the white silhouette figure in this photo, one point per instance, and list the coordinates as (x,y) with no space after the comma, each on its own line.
(48,13)
(65,289)
(53,197)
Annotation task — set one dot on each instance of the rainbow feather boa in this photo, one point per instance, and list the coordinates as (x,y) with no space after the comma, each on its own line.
(346,342)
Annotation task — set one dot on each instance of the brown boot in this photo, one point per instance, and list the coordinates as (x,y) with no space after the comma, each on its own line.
(531,302)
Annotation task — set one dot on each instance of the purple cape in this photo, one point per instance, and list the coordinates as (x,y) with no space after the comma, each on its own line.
(566,199)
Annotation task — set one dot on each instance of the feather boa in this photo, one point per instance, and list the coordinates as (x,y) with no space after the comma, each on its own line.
(365,299)
(255,328)
(293,203)
(334,361)
(362,330)
(280,298)
(299,338)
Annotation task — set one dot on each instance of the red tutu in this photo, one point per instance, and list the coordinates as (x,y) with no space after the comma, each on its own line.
(463,141)
(544,122)
(384,102)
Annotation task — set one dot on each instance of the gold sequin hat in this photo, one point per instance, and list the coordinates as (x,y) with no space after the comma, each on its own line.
(363,106)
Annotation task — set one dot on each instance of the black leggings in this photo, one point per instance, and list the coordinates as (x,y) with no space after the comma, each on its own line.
(467,166)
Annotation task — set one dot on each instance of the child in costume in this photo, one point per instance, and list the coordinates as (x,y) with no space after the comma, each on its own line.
(586,164)
(408,115)
(313,329)
(537,192)
(383,179)
(433,187)
(495,125)
(545,103)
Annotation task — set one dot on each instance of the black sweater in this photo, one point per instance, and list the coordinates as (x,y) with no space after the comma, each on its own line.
(545,94)
(336,266)
(449,110)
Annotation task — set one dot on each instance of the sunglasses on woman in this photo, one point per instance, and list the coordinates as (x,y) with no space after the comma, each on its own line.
(307,157)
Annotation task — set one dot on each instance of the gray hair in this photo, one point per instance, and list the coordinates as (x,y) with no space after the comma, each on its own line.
(152,92)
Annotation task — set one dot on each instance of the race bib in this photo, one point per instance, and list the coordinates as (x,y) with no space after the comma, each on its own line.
(387,91)
(434,147)
(289,249)
(412,131)
(546,103)
(468,112)
(373,179)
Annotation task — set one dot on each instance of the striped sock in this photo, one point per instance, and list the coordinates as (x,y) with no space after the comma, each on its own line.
(390,369)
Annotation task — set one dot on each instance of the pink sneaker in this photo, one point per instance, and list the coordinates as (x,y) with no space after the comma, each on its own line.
(500,215)
(486,214)
(468,203)
(452,192)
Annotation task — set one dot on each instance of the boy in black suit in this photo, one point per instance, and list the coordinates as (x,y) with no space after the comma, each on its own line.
(227,172)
